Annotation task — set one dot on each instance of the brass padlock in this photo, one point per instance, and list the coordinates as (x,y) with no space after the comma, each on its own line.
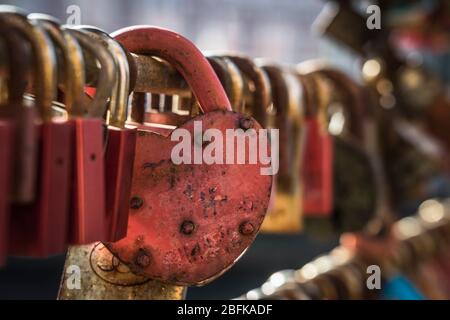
(285,213)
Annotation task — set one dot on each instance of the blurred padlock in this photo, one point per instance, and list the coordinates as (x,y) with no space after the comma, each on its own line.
(317,168)
(340,22)
(25,155)
(189,222)
(88,218)
(257,100)
(120,145)
(357,196)
(285,215)
(17,67)
(45,222)
(231,79)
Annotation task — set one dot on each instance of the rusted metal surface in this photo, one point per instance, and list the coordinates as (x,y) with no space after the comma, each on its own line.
(103,277)
(190,223)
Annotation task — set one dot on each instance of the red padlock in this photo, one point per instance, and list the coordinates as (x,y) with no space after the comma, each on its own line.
(25,155)
(88,218)
(17,67)
(317,165)
(32,224)
(45,222)
(189,223)
(120,145)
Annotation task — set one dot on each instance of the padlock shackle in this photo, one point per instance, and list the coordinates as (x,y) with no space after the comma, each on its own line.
(44,59)
(287,119)
(107,75)
(72,59)
(118,106)
(183,55)
(261,91)
(18,58)
(231,79)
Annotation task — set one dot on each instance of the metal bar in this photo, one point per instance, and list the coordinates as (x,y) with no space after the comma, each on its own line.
(152,75)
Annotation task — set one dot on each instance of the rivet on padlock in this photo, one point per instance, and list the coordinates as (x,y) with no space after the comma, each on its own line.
(192,222)
(120,145)
(88,219)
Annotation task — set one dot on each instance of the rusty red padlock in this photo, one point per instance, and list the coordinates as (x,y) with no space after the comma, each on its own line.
(317,165)
(121,142)
(88,218)
(17,69)
(189,222)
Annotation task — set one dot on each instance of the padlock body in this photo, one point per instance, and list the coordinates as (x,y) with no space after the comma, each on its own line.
(189,223)
(88,218)
(119,160)
(26,155)
(40,229)
(317,171)
(7,131)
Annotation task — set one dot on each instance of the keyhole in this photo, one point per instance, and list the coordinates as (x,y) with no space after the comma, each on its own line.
(93,156)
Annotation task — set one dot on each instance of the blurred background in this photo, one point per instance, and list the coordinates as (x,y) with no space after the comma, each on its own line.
(276,29)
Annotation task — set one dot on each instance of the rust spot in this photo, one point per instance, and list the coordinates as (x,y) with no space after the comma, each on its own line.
(212,190)
(143,258)
(246,228)
(187,227)
(171,181)
(246,123)
(195,250)
(149,165)
(189,192)
(136,202)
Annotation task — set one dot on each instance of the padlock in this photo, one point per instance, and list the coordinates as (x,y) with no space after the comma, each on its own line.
(88,217)
(317,164)
(188,223)
(285,215)
(45,222)
(120,145)
(25,156)
(360,196)
(32,223)
(17,69)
